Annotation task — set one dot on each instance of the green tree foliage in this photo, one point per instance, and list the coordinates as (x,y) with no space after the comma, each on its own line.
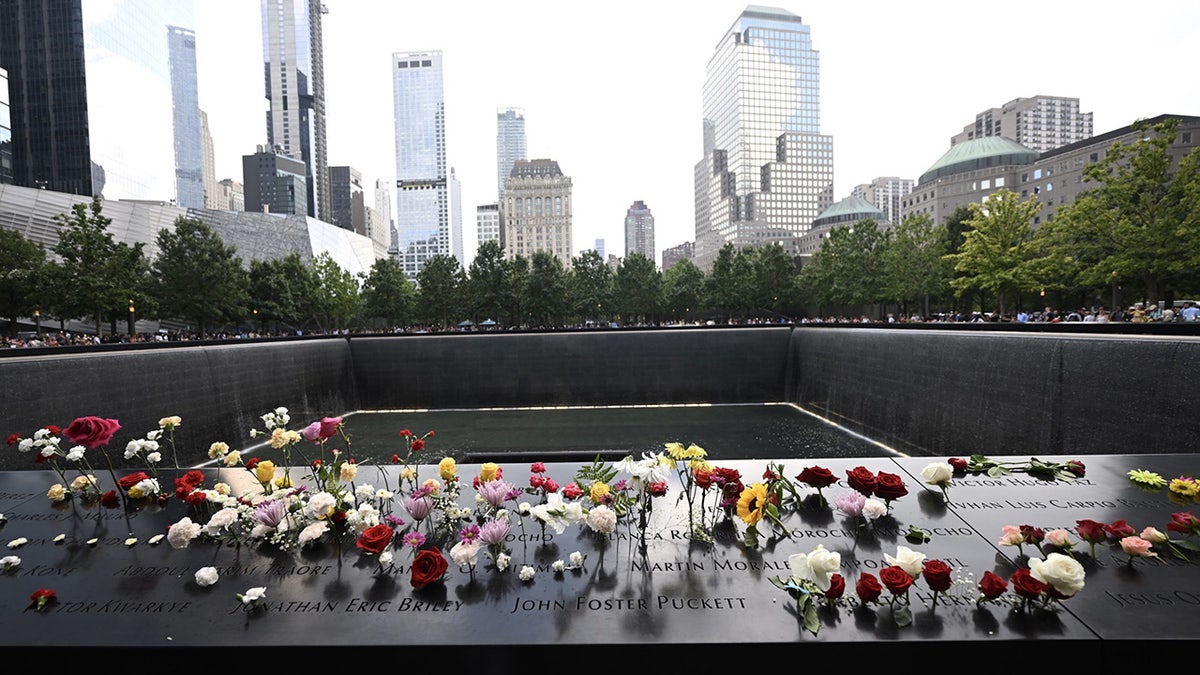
(1139,224)
(914,264)
(848,268)
(487,286)
(337,293)
(723,288)
(387,295)
(23,275)
(683,290)
(547,302)
(590,284)
(998,248)
(196,277)
(774,281)
(94,270)
(638,286)
(439,286)
(283,292)
(516,288)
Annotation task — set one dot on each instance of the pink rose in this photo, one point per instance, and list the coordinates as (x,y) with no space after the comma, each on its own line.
(312,432)
(1136,547)
(329,426)
(91,432)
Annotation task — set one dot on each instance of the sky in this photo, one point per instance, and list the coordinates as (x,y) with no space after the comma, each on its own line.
(612,90)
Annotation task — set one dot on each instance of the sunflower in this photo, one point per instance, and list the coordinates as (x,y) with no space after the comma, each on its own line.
(750,504)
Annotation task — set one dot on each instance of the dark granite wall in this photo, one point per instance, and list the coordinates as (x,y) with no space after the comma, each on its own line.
(219,391)
(949,393)
(626,367)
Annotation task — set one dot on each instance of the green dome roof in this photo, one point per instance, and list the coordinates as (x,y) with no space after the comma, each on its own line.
(979,153)
(850,209)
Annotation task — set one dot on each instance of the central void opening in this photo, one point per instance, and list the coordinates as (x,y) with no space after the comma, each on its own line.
(726,432)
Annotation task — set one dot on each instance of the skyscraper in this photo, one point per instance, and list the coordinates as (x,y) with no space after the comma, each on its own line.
(85,78)
(639,230)
(208,162)
(6,174)
(887,193)
(185,116)
(423,200)
(767,171)
(274,182)
(1040,123)
(347,208)
(293,62)
(510,143)
(537,210)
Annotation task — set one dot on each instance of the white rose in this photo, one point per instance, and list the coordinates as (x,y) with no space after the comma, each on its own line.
(1062,572)
(908,560)
(817,566)
(937,473)
(206,576)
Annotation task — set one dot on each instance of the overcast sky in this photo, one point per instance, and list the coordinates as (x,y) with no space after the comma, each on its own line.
(611,90)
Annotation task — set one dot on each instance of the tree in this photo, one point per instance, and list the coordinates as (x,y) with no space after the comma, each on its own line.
(23,270)
(848,268)
(387,294)
(638,288)
(590,286)
(683,289)
(997,249)
(516,288)
(283,291)
(337,293)
(546,290)
(95,270)
(438,291)
(487,283)
(914,264)
(723,287)
(774,281)
(197,277)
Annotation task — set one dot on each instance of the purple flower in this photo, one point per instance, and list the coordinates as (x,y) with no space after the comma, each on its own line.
(395,521)
(312,432)
(850,503)
(414,539)
(469,534)
(493,532)
(418,507)
(495,492)
(270,513)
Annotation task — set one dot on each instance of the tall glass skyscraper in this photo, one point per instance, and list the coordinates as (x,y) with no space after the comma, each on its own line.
(6,174)
(86,79)
(185,100)
(423,200)
(510,143)
(293,63)
(767,171)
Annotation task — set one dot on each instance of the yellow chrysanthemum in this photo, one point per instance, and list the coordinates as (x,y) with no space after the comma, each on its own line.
(1186,486)
(487,471)
(695,452)
(1147,478)
(599,492)
(701,464)
(675,450)
(751,503)
(447,468)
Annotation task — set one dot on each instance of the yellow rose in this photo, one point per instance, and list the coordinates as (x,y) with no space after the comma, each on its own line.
(349,471)
(447,468)
(233,459)
(599,492)
(264,471)
(488,471)
(57,492)
(217,449)
(169,423)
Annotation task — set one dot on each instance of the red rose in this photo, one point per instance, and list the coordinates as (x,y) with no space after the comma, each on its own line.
(572,491)
(549,485)
(329,427)
(375,539)
(937,575)
(889,486)
(816,476)
(535,481)
(958,463)
(837,586)
(1033,535)
(1076,467)
(1183,522)
(1025,585)
(91,431)
(1120,529)
(126,482)
(657,488)
(1090,531)
(862,479)
(537,467)
(896,579)
(703,477)
(992,585)
(110,499)
(428,566)
(868,588)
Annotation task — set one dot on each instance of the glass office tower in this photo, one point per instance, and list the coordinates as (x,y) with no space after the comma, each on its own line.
(510,143)
(185,103)
(6,169)
(423,200)
(293,64)
(767,171)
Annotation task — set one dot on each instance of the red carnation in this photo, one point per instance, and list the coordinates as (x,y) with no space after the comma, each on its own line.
(42,597)
(549,485)
(110,499)
(13,439)
(572,491)
(126,482)
(657,488)
(251,463)
(537,467)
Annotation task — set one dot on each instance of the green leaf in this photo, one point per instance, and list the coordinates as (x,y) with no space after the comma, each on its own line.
(812,624)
